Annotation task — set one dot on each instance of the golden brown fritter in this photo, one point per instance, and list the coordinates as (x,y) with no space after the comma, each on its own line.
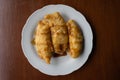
(43,43)
(58,32)
(75,39)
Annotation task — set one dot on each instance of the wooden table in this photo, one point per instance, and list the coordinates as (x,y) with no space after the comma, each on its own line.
(104,61)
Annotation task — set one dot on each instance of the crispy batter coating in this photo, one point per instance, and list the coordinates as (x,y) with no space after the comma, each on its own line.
(75,39)
(43,43)
(59,32)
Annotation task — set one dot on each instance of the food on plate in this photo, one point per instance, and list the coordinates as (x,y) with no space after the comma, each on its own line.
(54,37)
(59,32)
(43,43)
(75,39)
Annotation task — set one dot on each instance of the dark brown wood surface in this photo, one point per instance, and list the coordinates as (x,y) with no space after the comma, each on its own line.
(104,18)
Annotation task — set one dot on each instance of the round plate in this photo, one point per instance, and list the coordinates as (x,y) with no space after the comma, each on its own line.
(59,65)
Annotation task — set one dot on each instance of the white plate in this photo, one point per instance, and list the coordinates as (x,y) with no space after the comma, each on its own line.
(60,65)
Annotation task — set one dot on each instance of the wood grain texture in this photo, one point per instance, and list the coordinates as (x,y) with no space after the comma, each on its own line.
(104,61)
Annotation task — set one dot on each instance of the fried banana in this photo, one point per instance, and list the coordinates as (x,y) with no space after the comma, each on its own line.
(59,32)
(43,43)
(75,39)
